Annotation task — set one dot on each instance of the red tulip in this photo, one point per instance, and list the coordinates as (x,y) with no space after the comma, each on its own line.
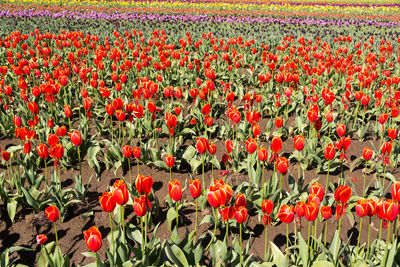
(241,214)
(251,145)
(368,153)
(329,116)
(136,152)
(227,213)
(229,145)
(282,165)
(52,213)
(388,210)
(341,129)
(298,142)
(311,211)
(76,138)
(340,211)
(93,238)
(120,192)
(362,207)
(175,190)
(396,191)
(139,206)
(383,118)
(144,184)
(41,239)
(43,151)
(300,209)
(276,144)
(67,111)
(127,151)
(5,155)
(169,160)
(57,151)
(61,131)
(387,148)
(52,139)
(212,148)
(201,144)
(342,194)
(107,202)
(326,212)
(278,122)
(317,190)
(240,200)
(286,214)
(195,188)
(372,207)
(262,154)
(330,151)
(392,133)
(214,198)
(267,206)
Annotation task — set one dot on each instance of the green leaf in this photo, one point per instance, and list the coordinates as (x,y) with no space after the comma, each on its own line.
(176,255)
(30,199)
(303,250)
(93,150)
(12,209)
(279,259)
(335,245)
(190,152)
(322,264)
(171,216)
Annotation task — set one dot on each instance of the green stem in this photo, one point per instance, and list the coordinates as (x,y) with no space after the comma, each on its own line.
(123,221)
(170,174)
(281,183)
(263,177)
(97,261)
(250,173)
(195,223)
(299,168)
(387,243)
(130,172)
(340,223)
(112,232)
(112,130)
(359,235)
(308,240)
(80,162)
(326,224)
(241,245)
(380,230)
(369,234)
(177,215)
(266,243)
(145,231)
(395,228)
(137,162)
(141,228)
(202,168)
(55,232)
(45,175)
(365,175)
(327,177)
(287,238)
(215,229)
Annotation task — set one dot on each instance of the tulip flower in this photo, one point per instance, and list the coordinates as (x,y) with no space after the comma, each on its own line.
(263,156)
(282,164)
(326,213)
(298,143)
(299,209)
(108,203)
(317,190)
(341,130)
(266,206)
(53,214)
(43,152)
(367,155)
(93,240)
(195,191)
(41,239)
(329,155)
(311,211)
(251,147)
(169,161)
(229,145)
(144,184)
(76,138)
(127,152)
(175,192)
(136,153)
(241,217)
(286,215)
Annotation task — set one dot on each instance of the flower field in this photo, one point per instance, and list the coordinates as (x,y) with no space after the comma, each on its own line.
(199,133)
